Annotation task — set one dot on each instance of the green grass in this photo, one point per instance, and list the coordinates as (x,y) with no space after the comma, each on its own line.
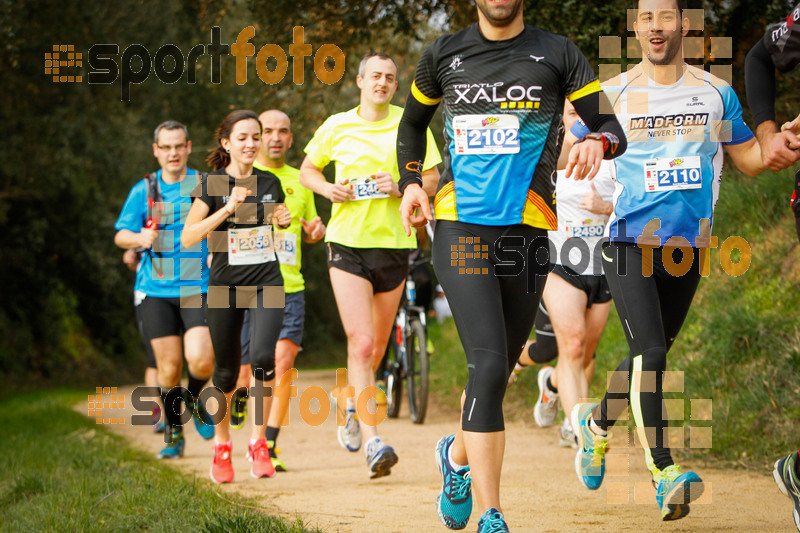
(449,374)
(739,346)
(61,472)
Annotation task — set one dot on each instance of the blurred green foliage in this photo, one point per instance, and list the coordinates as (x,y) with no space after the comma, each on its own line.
(72,151)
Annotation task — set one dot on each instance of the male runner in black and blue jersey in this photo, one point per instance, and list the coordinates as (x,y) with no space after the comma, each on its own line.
(778,49)
(503,84)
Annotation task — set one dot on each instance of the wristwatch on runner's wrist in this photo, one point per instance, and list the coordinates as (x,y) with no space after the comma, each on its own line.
(595,137)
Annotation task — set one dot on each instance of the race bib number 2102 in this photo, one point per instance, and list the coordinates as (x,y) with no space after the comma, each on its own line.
(486,134)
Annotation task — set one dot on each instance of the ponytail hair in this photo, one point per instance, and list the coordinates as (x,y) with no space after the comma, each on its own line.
(217,157)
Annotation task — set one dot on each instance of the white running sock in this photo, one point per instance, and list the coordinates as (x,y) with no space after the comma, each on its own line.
(453,464)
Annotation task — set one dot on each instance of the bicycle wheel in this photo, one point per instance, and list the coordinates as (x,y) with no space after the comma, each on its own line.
(417,371)
(394,378)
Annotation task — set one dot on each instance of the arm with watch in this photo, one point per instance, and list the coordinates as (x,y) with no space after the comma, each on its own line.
(605,138)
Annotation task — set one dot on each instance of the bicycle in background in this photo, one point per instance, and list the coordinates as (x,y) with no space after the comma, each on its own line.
(407,354)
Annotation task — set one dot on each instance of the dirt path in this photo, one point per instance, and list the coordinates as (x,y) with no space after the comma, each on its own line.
(329,488)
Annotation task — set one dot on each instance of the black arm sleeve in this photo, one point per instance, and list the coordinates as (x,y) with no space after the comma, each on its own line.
(588,108)
(759,74)
(412,141)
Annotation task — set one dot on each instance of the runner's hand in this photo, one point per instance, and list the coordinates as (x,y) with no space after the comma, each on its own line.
(791,132)
(386,184)
(130,258)
(793,126)
(146,237)
(339,192)
(584,159)
(314,229)
(238,196)
(414,197)
(592,201)
(281,217)
(777,149)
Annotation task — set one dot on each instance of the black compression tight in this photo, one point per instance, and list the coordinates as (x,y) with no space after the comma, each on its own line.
(225,326)
(652,310)
(493,308)
(545,349)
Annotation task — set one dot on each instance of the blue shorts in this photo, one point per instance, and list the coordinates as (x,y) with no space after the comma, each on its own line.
(294,315)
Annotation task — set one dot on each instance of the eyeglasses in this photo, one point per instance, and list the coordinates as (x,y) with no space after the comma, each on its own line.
(169,148)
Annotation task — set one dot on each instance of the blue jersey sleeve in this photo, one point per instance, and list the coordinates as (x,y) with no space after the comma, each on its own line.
(134,212)
(734,130)
(579,129)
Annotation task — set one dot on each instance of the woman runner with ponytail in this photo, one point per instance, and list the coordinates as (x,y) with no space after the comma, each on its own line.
(236,207)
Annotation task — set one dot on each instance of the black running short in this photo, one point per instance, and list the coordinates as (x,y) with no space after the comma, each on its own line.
(164,317)
(595,287)
(151,356)
(384,268)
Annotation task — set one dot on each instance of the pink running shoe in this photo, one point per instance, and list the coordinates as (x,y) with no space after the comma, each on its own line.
(221,468)
(258,455)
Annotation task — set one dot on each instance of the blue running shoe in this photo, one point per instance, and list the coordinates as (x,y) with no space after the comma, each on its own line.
(454,504)
(590,461)
(785,475)
(202,420)
(174,447)
(380,458)
(674,491)
(492,521)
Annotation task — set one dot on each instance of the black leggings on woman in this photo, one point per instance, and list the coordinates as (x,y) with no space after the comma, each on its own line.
(225,327)
(652,309)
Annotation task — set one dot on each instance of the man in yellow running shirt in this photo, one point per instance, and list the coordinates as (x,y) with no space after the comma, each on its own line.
(367,246)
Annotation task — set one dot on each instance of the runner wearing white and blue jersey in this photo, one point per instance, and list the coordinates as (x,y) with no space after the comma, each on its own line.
(677,119)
